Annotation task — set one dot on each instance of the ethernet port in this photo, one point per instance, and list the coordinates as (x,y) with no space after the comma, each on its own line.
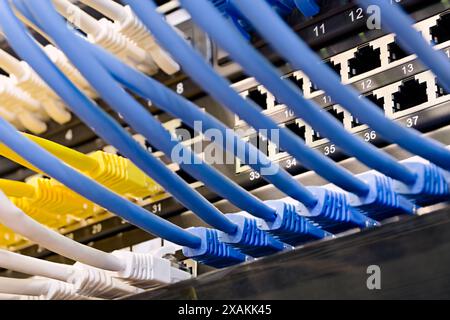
(410,94)
(185,133)
(441,31)
(440,91)
(257,97)
(396,52)
(337,115)
(366,59)
(297,82)
(336,67)
(298,130)
(316,136)
(379,102)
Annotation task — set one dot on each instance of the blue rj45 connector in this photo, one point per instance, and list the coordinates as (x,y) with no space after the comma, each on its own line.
(382,201)
(432,184)
(334,213)
(212,251)
(283,7)
(290,227)
(249,239)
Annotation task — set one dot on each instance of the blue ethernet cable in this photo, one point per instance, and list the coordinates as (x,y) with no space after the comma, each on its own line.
(203,74)
(247,237)
(397,21)
(104,125)
(220,89)
(205,245)
(278,177)
(256,65)
(302,57)
(294,228)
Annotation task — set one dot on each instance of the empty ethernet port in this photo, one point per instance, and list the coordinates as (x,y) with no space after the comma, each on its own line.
(257,97)
(396,52)
(441,31)
(379,102)
(336,67)
(297,82)
(410,94)
(298,130)
(366,59)
(440,91)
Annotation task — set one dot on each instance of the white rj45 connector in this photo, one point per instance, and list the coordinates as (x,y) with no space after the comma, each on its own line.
(126,23)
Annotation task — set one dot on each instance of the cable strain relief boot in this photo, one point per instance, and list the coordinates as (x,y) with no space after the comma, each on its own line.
(94,282)
(212,251)
(382,201)
(58,290)
(431,187)
(146,270)
(249,239)
(309,8)
(135,30)
(290,227)
(334,213)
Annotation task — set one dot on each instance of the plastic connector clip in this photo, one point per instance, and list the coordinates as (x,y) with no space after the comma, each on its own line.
(148,270)
(289,226)
(432,184)
(122,176)
(249,239)
(212,251)
(382,201)
(334,213)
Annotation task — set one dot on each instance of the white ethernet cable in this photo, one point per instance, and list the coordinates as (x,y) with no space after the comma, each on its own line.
(103,33)
(18,106)
(145,269)
(44,288)
(87,281)
(129,25)
(26,79)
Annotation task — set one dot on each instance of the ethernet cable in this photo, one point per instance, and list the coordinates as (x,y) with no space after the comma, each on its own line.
(109,129)
(397,21)
(301,227)
(115,172)
(127,23)
(350,217)
(289,45)
(128,266)
(47,201)
(103,33)
(47,289)
(86,281)
(25,79)
(202,246)
(240,227)
(219,88)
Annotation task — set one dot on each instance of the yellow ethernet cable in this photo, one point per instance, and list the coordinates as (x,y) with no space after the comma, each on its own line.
(113,171)
(48,201)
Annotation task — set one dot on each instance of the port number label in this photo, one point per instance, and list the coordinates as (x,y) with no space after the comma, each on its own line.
(412,121)
(254,176)
(180,88)
(291,163)
(157,208)
(409,68)
(96,228)
(319,30)
(447,52)
(369,136)
(357,14)
(367,84)
(289,113)
(329,149)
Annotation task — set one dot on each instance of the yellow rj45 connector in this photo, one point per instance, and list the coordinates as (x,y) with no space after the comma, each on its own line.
(115,172)
(48,201)
(8,237)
